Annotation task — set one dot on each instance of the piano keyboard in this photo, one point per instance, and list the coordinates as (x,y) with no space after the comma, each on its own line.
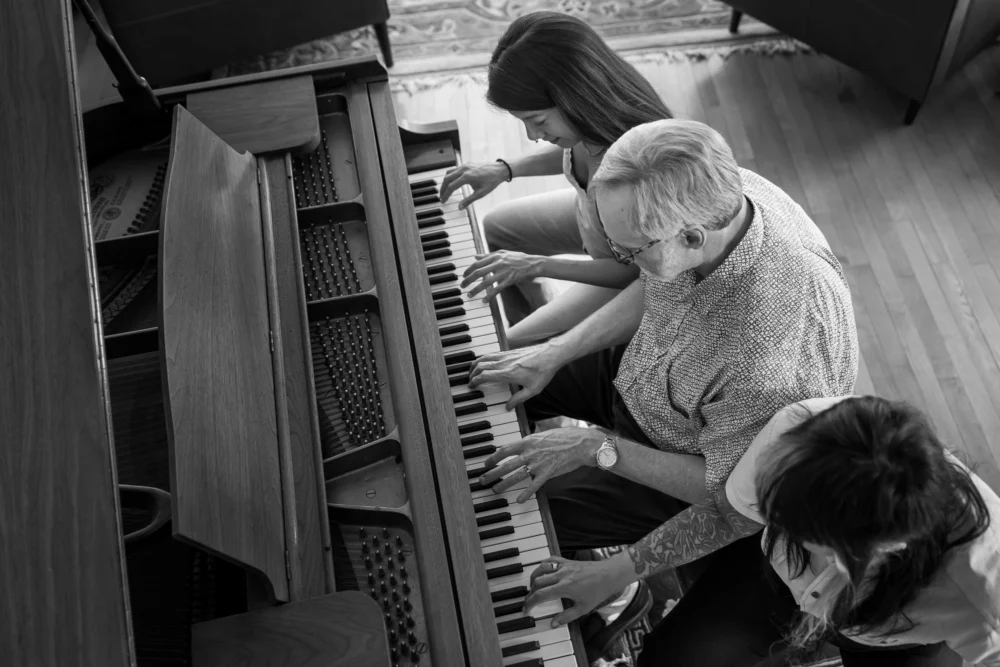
(512,536)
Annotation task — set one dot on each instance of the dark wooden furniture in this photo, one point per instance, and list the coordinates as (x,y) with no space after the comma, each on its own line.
(910,45)
(273,341)
(199,35)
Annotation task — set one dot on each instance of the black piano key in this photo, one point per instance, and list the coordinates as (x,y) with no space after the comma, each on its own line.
(479,486)
(453,329)
(513,625)
(429,213)
(496,532)
(442,304)
(433,236)
(437,254)
(470,409)
(504,570)
(518,649)
(434,245)
(507,609)
(439,278)
(472,427)
(501,554)
(490,519)
(424,200)
(457,357)
(489,506)
(467,396)
(446,294)
(476,472)
(473,452)
(419,185)
(428,223)
(424,191)
(451,312)
(458,380)
(462,367)
(456,340)
(534,662)
(441,268)
(509,593)
(476,439)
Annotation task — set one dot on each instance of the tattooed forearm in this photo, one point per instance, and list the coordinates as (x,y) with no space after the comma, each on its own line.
(694,533)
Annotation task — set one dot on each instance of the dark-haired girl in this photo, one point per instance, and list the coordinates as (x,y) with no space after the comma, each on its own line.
(555,74)
(876,539)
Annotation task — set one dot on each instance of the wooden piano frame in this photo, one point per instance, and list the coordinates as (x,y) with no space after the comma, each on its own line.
(248,475)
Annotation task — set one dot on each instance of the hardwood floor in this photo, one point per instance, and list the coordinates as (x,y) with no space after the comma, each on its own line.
(913,213)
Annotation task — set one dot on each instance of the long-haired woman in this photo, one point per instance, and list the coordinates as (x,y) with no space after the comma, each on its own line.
(557,76)
(876,540)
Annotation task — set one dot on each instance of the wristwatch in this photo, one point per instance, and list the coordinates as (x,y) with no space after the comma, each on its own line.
(607,453)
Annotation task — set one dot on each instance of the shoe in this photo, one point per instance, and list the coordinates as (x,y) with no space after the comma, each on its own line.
(599,637)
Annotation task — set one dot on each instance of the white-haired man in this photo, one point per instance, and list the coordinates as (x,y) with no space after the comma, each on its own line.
(740,309)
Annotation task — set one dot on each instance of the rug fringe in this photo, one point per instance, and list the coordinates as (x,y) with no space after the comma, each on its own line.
(765,46)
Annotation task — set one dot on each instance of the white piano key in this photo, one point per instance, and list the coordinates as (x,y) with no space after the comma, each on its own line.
(528,558)
(531,544)
(520,532)
(544,635)
(547,652)
(513,509)
(490,412)
(567,661)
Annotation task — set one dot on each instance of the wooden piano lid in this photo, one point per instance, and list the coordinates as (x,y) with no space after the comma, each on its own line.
(216,351)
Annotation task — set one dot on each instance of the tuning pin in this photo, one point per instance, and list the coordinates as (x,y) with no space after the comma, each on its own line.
(394,653)
(381,572)
(404,649)
(371,579)
(374,595)
(378,556)
(368,563)
(385,589)
(392,637)
(365,548)
(411,638)
(388,619)
(391,564)
(385,532)
(402,628)
(401,557)
(403,573)
(388,549)
(406,605)
(362,533)
(399,610)
(386,605)
(395,595)
(399,540)
(415,657)
(375,540)
(410,622)
(406,589)
(392,580)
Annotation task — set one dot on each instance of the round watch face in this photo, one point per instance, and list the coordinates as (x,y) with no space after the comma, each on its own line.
(607,457)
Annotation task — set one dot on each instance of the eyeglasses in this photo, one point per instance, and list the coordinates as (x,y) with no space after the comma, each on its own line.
(625,255)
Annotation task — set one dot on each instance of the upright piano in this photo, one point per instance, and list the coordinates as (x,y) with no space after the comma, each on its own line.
(282,352)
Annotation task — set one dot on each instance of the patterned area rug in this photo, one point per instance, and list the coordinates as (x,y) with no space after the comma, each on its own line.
(448,35)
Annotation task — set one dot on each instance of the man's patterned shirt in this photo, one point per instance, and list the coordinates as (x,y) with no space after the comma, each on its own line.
(713,360)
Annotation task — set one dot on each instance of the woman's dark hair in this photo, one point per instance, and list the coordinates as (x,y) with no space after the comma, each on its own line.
(547,59)
(862,473)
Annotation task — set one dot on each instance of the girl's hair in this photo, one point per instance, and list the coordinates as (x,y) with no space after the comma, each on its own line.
(547,59)
(862,473)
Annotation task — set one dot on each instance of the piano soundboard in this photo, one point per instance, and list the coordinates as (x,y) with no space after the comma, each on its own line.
(303,396)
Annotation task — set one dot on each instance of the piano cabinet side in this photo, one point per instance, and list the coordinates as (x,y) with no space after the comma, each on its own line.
(444,633)
(61,559)
(475,605)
